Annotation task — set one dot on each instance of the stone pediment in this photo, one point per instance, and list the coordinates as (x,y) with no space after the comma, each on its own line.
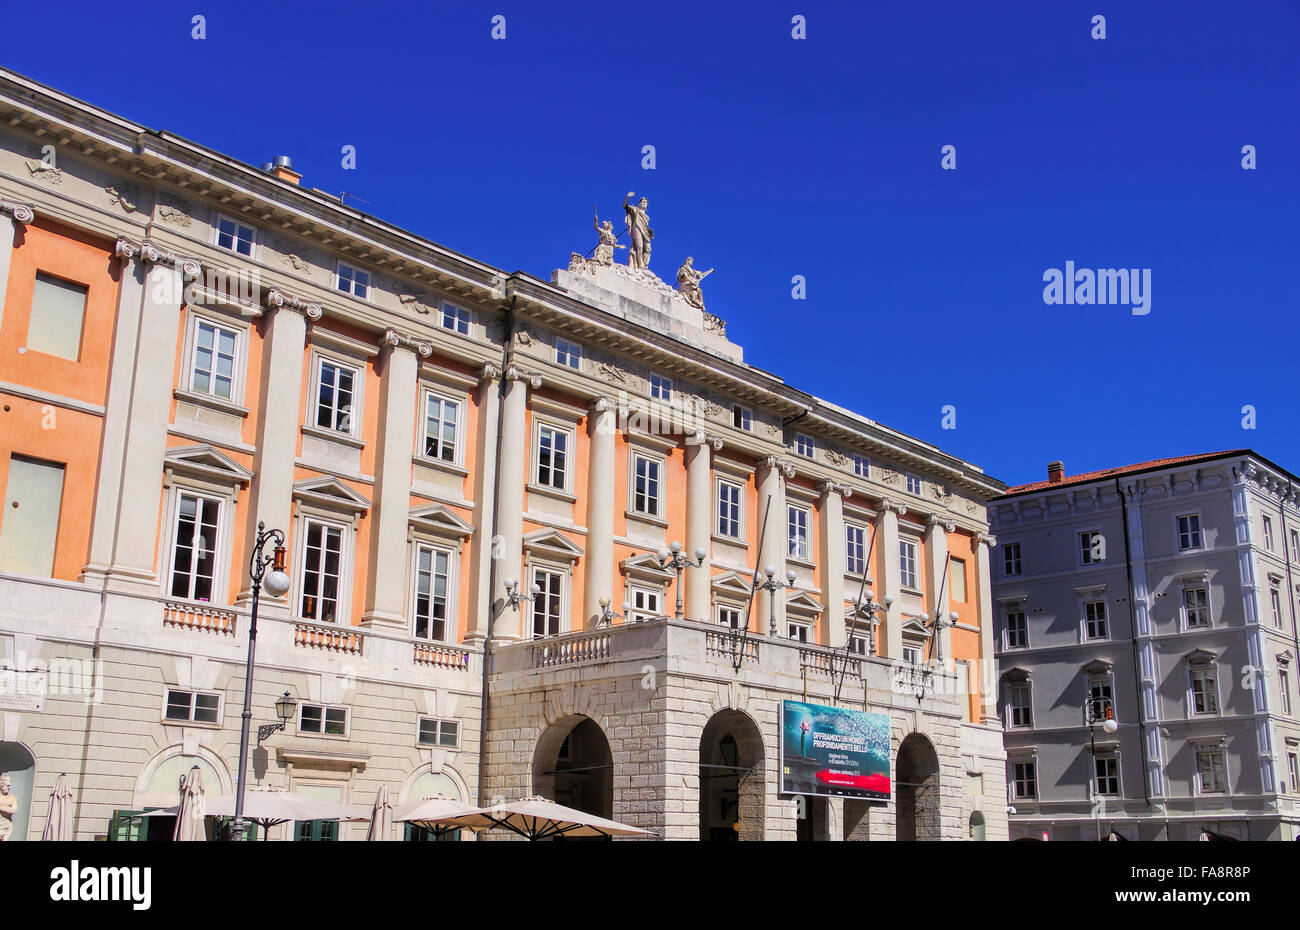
(913,627)
(554,544)
(732,583)
(437,520)
(205,464)
(1016,674)
(330,493)
(1098,667)
(645,566)
(803,602)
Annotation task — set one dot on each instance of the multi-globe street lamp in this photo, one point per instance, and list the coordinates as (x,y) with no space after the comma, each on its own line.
(771,586)
(673,560)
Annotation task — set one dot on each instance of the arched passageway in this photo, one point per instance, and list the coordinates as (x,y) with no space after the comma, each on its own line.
(731,778)
(573,766)
(916,790)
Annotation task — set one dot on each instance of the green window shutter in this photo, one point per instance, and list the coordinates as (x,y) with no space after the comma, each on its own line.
(126,826)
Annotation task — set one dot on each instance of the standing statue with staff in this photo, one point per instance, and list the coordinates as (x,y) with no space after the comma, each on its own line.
(639,232)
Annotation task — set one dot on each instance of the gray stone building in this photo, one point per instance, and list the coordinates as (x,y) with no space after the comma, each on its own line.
(1164,597)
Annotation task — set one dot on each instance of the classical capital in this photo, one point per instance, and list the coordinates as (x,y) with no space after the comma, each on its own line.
(126,250)
(395,339)
(701,438)
(897,507)
(20,211)
(489,372)
(151,253)
(276,298)
(934,520)
(785,466)
(600,404)
(982,538)
(515,373)
(836,487)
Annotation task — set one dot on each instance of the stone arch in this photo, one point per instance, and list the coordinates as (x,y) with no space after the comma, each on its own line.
(976,829)
(916,790)
(153,787)
(573,765)
(19,763)
(418,776)
(732,777)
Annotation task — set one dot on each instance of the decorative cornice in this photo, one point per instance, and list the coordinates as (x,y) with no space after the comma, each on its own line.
(393,338)
(515,373)
(21,211)
(836,487)
(785,466)
(897,507)
(274,297)
(935,520)
(700,438)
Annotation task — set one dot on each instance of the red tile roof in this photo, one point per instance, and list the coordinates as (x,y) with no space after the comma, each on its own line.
(1121,470)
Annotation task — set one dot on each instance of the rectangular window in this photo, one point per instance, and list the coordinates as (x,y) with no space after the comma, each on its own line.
(194,551)
(1094,615)
(858,644)
(334,397)
(1275,599)
(431,593)
(1293,766)
(193,706)
(552,457)
(855,549)
(907,563)
(661,388)
(441,419)
(1092,548)
(1196,606)
(213,369)
(645,485)
(327,721)
(803,445)
(913,484)
(568,353)
(861,466)
(235,236)
(957,580)
(1021,708)
(1268,534)
(1205,691)
(742,417)
(547,604)
(1189,531)
(1284,690)
(353,280)
(455,318)
(1209,770)
(58,311)
(799,632)
(1295,546)
(729,509)
(1024,783)
(797,532)
(321,567)
(1100,697)
(29,523)
(730,617)
(442,733)
(1017,630)
(1107,768)
(1011,559)
(912,655)
(646,604)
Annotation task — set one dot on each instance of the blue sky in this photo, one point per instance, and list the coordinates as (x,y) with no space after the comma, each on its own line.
(819,157)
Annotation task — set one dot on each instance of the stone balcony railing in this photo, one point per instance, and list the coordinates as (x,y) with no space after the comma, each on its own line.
(199,615)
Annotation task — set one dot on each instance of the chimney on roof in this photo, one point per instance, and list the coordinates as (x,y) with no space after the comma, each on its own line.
(1055,472)
(282,168)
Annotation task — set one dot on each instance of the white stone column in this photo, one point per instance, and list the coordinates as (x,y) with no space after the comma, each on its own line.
(891,584)
(699,519)
(136,538)
(270,497)
(775,547)
(398,387)
(988,671)
(598,571)
(483,598)
(936,548)
(831,542)
(510,501)
(12,215)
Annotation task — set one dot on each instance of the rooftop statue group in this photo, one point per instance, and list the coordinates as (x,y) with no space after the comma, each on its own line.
(640,236)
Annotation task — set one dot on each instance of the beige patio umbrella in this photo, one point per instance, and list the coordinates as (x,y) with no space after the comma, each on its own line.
(539,819)
(381,817)
(58,826)
(191,811)
(434,814)
(269,807)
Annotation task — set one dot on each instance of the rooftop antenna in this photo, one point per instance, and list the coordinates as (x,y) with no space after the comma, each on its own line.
(343,194)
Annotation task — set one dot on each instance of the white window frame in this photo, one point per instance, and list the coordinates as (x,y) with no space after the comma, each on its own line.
(1222,753)
(220,568)
(324,720)
(449,624)
(659,466)
(351,289)
(1295,546)
(562,621)
(1187,608)
(850,528)
(358,369)
(457,315)
(347,547)
(534,477)
(792,550)
(438,724)
(568,354)
(661,387)
(737,609)
(1010,558)
(912,653)
(1084,553)
(1015,780)
(1293,769)
(1275,602)
(1211,670)
(1086,621)
(739,489)
(233,247)
(913,483)
(745,415)
(804,445)
(239,365)
(647,592)
(1113,759)
(1267,524)
(956,564)
(1196,537)
(1026,710)
(1284,691)
(1101,690)
(861,466)
(194,694)
(908,554)
(458,457)
(799,630)
(1006,628)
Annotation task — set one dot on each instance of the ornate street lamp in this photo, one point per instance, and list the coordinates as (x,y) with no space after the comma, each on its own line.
(512,592)
(771,586)
(936,626)
(866,605)
(277,583)
(1098,709)
(284,709)
(607,615)
(673,560)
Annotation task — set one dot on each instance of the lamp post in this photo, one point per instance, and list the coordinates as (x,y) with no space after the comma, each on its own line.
(937,624)
(277,583)
(673,560)
(607,615)
(284,709)
(771,586)
(512,592)
(1098,709)
(867,605)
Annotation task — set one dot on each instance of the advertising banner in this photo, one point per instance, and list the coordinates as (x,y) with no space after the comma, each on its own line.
(834,752)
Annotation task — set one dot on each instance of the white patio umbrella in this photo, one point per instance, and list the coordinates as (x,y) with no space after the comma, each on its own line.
(540,819)
(191,811)
(381,817)
(58,826)
(434,813)
(269,807)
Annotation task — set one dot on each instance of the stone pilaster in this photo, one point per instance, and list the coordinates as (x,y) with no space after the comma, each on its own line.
(891,584)
(771,488)
(12,215)
(831,544)
(510,497)
(399,378)
(936,549)
(699,517)
(482,601)
(988,671)
(599,562)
